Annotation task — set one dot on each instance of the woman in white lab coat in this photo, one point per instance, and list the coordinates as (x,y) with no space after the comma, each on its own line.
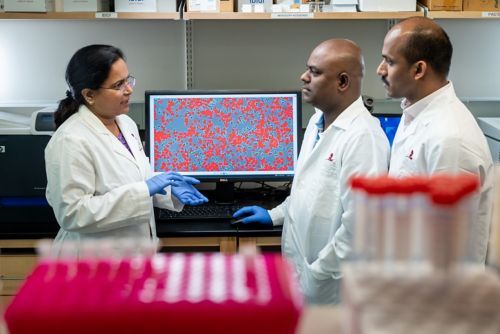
(99,180)
(342,139)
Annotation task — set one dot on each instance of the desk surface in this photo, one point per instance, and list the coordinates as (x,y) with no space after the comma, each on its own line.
(39,223)
(186,229)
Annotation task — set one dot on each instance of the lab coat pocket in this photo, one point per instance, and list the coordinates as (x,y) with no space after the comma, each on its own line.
(319,288)
(324,193)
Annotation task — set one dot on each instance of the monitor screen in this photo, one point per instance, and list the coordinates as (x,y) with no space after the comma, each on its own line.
(389,123)
(224,135)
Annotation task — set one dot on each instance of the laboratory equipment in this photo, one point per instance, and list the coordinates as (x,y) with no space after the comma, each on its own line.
(224,136)
(102,290)
(389,123)
(423,220)
(491,129)
(22,165)
(412,271)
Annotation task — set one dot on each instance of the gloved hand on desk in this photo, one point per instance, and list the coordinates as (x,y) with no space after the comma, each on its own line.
(181,186)
(253,214)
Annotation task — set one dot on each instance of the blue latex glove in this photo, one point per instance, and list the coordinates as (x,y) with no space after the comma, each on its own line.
(158,183)
(253,214)
(186,193)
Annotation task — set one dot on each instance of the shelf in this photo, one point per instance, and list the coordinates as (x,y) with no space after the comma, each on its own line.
(368,15)
(296,15)
(462,15)
(226,16)
(248,16)
(88,16)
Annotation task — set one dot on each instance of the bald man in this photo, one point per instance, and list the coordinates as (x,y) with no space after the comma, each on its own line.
(342,139)
(437,132)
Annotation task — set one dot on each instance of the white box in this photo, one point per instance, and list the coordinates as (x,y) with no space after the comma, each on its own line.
(343,2)
(84,5)
(135,6)
(257,4)
(387,5)
(29,5)
(166,6)
(202,5)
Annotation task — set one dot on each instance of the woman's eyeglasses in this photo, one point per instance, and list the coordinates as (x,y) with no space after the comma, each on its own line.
(122,84)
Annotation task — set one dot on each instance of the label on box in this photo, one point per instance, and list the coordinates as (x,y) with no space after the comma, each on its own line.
(135,5)
(266,3)
(202,5)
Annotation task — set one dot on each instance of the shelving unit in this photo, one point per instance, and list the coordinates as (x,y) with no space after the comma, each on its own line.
(89,16)
(462,15)
(249,16)
(296,15)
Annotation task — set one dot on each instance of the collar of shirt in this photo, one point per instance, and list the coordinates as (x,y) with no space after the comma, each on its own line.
(343,120)
(410,112)
(320,124)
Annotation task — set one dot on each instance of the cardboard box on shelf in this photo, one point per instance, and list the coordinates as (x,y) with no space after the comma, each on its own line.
(29,6)
(135,6)
(482,5)
(226,5)
(210,6)
(387,5)
(442,4)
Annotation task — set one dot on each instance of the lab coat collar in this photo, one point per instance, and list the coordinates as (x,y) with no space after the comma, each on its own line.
(92,120)
(346,117)
(420,106)
(96,124)
(421,109)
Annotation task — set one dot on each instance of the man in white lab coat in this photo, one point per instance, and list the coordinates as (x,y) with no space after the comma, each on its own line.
(437,132)
(342,139)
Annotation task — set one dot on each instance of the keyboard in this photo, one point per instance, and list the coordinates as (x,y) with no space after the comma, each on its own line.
(201,212)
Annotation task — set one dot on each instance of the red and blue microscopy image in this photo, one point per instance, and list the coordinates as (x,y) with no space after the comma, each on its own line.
(224,133)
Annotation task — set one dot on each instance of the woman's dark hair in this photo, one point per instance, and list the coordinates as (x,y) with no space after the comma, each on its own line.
(88,68)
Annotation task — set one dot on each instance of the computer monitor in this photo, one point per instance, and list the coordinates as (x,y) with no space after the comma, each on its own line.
(389,123)
(224,136)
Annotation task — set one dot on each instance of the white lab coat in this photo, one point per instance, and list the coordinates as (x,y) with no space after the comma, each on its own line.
(445,137)
(95,186)
(318,214)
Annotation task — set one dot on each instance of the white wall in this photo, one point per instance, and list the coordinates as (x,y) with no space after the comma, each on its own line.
(475,69)
(34,54)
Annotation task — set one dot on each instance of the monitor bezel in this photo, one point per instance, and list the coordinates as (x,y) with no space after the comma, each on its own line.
(248,177)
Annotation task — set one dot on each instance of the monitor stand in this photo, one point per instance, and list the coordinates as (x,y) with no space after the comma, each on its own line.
(224,192)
